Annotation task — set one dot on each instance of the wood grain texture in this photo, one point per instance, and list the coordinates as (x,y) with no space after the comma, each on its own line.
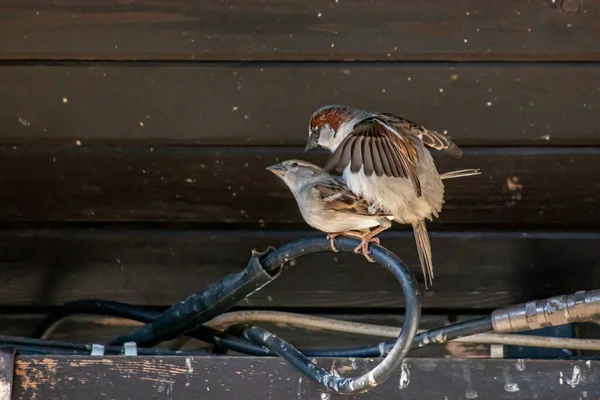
(7,363)
(229,186)
(300,30)
(259,378)
(160,267)
(229,103)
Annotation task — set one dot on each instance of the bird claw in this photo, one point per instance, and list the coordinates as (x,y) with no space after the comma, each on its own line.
(331,238)
(364,246)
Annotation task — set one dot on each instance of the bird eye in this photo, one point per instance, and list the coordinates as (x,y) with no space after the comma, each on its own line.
(315,131)
(294,165)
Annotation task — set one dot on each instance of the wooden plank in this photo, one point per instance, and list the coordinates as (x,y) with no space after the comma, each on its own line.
(228,103)
(7,361)
(474,270)
(97,329)
(260,378)
(228,186)
(300,30)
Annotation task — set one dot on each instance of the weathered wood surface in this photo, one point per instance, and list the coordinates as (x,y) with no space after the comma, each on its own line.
(231,187)
(161,267)
(232,103)
(98,329)
(224,378)
(7,361)
(300,30)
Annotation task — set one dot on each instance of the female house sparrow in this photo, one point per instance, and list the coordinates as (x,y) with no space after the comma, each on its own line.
(384,160)
(328,205)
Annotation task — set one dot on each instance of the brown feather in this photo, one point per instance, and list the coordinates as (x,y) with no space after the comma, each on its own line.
(389,155)
(429,137)
(377,164)
(341,156)
(378,146)
(335,158)
(383,157)
(338,197)
(424,250)
(367,156)
(460,173)
(356,154)
(408,168)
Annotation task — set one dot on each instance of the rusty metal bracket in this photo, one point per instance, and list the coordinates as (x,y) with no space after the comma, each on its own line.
(7,363)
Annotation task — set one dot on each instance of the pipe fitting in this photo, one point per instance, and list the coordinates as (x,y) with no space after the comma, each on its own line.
(559,310)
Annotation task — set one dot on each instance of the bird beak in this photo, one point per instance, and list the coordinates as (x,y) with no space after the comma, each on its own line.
(312,142)
(277,169)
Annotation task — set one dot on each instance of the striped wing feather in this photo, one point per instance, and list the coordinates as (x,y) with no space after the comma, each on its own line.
(431,138)
(380,149)
(338,197)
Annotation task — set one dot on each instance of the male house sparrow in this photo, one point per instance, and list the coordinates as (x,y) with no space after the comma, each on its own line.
(328,205)
(384,160)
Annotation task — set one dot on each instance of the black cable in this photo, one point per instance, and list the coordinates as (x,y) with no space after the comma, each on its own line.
(400,348)
(188,317)
(271,263)
(136,313)
(449,332)
(230,342)
(438,335)
(95,307)
(191,313)
(78,348)
(220,296)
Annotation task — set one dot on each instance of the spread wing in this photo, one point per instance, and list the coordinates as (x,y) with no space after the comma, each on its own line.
(338,197)
(379,148)
(431,138)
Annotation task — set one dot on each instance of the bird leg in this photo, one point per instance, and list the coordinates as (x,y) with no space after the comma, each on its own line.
(367,237)
(332,236)
(370,238)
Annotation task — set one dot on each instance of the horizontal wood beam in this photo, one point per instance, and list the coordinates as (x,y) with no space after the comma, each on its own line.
(300,30)
(270,104)
(261,378)
(229,186)
(474,270)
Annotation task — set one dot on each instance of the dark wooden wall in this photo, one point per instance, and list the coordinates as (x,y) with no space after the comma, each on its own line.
(134,137)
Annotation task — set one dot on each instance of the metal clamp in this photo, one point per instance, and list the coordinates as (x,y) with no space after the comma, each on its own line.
(97,350)
(130,349)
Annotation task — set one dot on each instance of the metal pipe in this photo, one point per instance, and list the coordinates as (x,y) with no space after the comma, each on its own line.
(559,310)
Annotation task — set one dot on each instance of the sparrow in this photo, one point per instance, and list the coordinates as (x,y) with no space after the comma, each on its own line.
(384,160)
(327,204)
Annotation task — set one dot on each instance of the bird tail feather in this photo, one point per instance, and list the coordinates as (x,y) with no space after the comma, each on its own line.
(460,173)
(424,249)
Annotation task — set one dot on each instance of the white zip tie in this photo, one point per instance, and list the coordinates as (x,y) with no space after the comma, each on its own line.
(496,351)
(130,348)
(97,350)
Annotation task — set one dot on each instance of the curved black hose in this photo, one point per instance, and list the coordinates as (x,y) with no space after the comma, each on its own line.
(141,314)
(95,307)
(40,345)
(231,342)
(190,314)
(400,348)
(438,335)
(271,263)
(36,346)
(220,296)
(460,329)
